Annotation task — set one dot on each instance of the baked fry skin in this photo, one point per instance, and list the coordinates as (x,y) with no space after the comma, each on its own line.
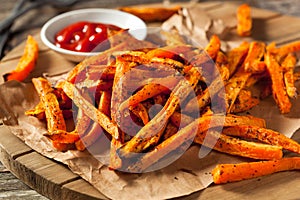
(225,173)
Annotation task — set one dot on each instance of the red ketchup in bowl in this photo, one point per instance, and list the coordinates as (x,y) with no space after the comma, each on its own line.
(84,36)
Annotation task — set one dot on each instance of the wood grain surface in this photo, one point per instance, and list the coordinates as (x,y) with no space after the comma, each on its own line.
(55,181)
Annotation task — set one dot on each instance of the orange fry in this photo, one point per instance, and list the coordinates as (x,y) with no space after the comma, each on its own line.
(278,89)
(288,66)
(237,56)
(152,14)
(224,173)
(244,102)
(234,146)
(26,63)
(244,24)
(213,47)
(264,135)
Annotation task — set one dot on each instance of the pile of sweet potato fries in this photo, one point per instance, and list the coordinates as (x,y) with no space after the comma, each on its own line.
(108,103)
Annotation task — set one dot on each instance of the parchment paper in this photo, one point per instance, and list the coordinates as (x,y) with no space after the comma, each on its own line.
(185,176)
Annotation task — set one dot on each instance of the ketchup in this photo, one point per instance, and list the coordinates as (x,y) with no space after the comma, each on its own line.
(84,36)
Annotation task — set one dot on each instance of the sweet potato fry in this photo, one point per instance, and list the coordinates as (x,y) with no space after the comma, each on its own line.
(244,20)
(233,88)
(234,146)
(102,58)
(278,89)
(210,121)
(287,49)
(223,65)
(224,173)
(164,148)
(95,131)
(152,14)
(244,102)
(140,111)
(150,90)
(26,63)
(288,66)
(237,56)
(63,136)
(180,119)
(239,80)
(255,54)
(204,98)
(159,122)
(89,109)
(264,135)
(104,103)
(63,146)
(213,47)
(38,111)
(54,115)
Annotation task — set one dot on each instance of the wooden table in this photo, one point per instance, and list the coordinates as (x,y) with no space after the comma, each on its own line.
(276,28)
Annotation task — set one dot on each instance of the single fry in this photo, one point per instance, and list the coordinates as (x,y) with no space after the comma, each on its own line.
(152,14)
(278,89)
(223,65)
(234,146)
(237,56)
(225,173)
(287,49)
(252,62)
(264,135)
(213,47)
(63,136)
(26,63)
(244,20)
(288,66)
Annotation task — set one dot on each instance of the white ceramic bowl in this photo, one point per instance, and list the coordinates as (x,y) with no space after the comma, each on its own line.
(136,26)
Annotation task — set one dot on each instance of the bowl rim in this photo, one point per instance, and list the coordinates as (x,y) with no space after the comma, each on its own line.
(52,46)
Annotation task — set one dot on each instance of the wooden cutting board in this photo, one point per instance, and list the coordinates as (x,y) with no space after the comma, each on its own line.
(56,181)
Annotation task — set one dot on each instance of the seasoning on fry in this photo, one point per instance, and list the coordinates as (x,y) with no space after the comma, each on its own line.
(162,108)
(225,173)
